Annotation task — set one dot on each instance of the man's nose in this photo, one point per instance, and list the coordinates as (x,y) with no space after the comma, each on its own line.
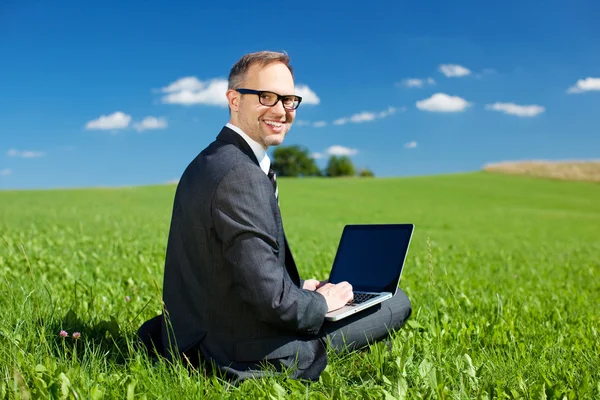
(278,108)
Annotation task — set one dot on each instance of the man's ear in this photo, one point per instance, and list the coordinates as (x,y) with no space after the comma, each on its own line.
(233,99)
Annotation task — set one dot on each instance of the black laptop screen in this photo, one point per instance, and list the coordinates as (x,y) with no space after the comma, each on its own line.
(370,257)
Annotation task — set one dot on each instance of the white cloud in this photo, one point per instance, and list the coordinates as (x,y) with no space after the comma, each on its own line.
(363,117)
(441,102)
(390,110)
(413,82)
(419,83)
(338,150)
(25,154)
(454,70)
(485,71)
(190,90)
(5,172)
(366,116)
(515,109)
(188,83)
(584,85)
(117,120)
(308,96)
(151,123)
(410,145)
(173,181)
(317,156)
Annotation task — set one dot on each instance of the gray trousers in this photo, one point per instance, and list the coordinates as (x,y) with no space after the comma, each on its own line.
(368,326)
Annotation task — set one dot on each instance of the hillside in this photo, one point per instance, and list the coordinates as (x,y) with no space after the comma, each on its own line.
(563,170)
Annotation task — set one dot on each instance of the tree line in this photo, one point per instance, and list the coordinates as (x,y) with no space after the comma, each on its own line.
(295,161)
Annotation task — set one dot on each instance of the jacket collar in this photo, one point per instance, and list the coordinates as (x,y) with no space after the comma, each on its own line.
(228,135)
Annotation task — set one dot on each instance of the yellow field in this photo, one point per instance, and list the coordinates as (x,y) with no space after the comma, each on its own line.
(564,170)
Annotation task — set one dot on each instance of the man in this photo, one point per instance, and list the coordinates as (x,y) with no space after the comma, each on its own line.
(232,294)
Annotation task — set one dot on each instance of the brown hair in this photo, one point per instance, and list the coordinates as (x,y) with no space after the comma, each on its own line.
(264,58)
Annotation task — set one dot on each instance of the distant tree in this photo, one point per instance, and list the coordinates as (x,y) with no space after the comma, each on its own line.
(366,173)
(339,166)
(294,161)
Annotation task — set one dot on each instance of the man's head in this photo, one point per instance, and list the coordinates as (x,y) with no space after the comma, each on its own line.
(271,74)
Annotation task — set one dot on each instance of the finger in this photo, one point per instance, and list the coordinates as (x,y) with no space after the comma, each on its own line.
(344,297)
(324,289)
(343,293)
(345,286)
(349,290)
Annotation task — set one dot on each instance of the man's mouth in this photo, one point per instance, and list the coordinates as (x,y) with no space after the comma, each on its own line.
(274,123)
(275,126)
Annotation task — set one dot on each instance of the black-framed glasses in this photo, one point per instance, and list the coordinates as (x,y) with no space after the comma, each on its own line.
(269,99)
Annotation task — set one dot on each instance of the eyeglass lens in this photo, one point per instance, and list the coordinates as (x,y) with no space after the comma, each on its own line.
(270,99)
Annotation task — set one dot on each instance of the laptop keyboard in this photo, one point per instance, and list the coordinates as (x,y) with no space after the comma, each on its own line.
(361,298)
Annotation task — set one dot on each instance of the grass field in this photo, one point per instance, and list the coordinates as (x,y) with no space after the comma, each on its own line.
(503,274)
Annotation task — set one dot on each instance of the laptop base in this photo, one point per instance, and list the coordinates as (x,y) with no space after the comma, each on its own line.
(349,310)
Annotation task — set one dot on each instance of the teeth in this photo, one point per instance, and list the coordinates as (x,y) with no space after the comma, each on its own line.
(273,123)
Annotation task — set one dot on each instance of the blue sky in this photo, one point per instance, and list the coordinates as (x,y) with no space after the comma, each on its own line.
(405,88)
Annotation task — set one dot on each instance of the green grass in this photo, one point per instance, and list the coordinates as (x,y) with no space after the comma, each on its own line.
(503,274)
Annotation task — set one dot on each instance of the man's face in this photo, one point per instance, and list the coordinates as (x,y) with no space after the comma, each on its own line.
(266,125)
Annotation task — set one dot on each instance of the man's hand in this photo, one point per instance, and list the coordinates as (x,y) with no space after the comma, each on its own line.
(336,295)
(313,284)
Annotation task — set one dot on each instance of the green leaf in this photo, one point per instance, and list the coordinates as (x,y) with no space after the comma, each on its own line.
(131,390)
(424,368)
(326,378)
(470,368)
(277,391)
(387,395)
(96,393)
(65,383)
(318,396)
(41,385)
(402,388)
(415,324)
(543,392)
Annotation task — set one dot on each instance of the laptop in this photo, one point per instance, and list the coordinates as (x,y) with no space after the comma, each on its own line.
(371,259)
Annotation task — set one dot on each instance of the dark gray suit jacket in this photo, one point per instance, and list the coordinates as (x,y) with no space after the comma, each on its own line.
(231,288)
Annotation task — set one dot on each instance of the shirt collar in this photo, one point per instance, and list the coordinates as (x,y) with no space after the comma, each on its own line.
(261,155)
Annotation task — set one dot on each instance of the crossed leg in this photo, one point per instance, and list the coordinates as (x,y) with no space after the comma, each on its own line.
(368,326)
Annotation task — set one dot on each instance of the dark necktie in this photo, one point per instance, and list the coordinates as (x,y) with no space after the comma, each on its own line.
(273,179)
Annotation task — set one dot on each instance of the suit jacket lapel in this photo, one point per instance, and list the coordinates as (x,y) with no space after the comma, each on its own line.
(229,136)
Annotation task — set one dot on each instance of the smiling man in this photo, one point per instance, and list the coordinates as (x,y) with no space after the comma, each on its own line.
(232,293)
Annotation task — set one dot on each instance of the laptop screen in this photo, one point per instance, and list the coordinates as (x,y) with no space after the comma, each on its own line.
(371,257)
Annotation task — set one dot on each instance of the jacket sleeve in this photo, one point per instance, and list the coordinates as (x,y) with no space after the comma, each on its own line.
(242,210)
